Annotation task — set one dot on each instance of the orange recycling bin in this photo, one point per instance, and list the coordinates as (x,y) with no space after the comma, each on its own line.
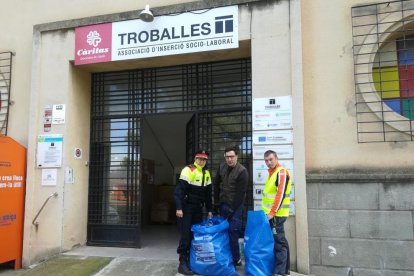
(12,196)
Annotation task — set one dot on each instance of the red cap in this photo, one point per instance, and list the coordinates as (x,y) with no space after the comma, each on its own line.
(201,154)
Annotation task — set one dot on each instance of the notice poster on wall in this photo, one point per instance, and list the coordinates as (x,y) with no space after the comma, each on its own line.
(49,151)
(58,114)
(49,177)
(282,151)
(275,137)
(272,113)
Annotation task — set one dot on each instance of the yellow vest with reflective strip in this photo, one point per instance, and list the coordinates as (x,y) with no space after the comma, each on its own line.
(195,176)
(269,194)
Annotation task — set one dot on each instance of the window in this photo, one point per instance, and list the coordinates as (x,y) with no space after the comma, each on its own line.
(383,37)
(5,81)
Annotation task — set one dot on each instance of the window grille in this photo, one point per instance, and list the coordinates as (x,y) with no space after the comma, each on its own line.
(5,84)
(218,94)
(383,40)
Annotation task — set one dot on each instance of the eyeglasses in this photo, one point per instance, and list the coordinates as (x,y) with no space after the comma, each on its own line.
(230,156)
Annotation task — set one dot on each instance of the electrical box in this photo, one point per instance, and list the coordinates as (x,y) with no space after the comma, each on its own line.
(12,198)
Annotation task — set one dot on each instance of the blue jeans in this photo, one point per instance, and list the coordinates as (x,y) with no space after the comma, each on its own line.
(281,248)
(235,226)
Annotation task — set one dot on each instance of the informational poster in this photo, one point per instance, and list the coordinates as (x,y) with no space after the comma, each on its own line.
(49,151)
(47,118)
(58,114)
(260,172)
(282,151)
(69,179)
(272,137)
(49,177)
(272,130)
(258,191)
(272,113)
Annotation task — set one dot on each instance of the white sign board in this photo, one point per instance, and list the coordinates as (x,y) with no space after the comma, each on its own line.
(275,137)
(189,32)
(58,114)
(49,151)
(49,177)
(258,191)
(282,151)
(260,170)
(204,30)
(272,113)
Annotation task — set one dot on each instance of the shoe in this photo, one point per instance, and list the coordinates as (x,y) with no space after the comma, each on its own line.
(238,263)
(184,269)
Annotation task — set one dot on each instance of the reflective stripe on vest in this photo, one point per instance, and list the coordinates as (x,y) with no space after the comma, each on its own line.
(269,194)
(195,177)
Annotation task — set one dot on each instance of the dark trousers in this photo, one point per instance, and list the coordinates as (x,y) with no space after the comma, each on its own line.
(281,247)
(192,214)
(235,227)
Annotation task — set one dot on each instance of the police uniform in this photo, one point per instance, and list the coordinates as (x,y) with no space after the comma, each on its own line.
(192,192)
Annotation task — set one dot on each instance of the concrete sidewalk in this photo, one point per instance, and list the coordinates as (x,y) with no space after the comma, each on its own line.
(156,257)
(108,261)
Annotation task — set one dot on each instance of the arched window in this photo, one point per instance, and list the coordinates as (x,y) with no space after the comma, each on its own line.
(383,38)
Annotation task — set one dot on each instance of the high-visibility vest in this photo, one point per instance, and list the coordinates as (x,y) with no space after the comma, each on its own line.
(193,174)
(269,194)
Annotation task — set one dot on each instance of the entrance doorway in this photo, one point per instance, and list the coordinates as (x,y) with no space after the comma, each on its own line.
(145,126)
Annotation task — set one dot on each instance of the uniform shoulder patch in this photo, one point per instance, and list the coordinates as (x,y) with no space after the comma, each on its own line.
(192,167)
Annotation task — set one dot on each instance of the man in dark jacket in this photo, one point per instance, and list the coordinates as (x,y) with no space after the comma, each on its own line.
(230,185)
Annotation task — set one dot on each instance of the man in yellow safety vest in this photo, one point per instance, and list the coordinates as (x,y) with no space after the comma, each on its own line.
(275,204)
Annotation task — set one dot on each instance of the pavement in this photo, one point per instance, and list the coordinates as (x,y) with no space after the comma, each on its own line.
(156,257)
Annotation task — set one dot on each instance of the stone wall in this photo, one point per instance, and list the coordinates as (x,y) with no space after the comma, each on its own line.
(361,223)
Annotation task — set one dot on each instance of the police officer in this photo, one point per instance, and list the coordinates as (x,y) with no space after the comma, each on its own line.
(192,192)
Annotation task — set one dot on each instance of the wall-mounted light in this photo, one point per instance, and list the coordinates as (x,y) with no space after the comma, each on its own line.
(146,15)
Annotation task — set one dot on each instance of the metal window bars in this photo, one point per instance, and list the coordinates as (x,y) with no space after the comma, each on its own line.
(217,93)
(383,44)
(5,85)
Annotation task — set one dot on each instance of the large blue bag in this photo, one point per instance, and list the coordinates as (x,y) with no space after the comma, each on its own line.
(258,245)
(210,249)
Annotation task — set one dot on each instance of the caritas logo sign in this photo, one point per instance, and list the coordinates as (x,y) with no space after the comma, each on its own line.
(198,31)
(93,44)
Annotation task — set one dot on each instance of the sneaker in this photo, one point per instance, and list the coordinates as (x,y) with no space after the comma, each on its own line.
(238,263)
(184,269)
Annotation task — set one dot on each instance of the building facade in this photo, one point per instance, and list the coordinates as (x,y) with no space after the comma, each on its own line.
(122,127)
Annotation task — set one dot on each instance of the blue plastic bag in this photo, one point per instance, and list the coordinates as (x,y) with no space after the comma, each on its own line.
(258,245)
(210,249)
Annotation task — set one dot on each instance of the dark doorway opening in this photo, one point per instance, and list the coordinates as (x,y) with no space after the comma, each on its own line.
(145,126)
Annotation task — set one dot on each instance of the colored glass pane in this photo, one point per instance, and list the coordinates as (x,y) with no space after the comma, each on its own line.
(408,108)
(386,81)
(407,81)
(395,105)
(406,51)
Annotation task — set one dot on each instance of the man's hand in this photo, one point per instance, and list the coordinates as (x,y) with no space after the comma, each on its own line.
(179,213)
(269,216)
(217,209)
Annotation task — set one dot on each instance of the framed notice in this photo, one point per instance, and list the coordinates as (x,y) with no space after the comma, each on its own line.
(276,137)
(272,113)
(282,151)
(49,151)
(49,177)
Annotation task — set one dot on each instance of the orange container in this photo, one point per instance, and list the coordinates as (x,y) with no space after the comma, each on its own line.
(12,196)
